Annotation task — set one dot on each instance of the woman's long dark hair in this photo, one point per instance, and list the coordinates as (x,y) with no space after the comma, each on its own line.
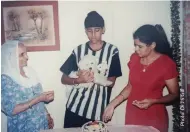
(148,34)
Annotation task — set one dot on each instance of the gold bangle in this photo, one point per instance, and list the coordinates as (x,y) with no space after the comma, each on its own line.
(74,83)
(29,106)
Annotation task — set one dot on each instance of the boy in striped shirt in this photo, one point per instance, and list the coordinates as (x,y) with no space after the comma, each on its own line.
(88,104)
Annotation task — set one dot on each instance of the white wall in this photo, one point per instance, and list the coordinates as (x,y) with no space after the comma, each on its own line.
(121,19)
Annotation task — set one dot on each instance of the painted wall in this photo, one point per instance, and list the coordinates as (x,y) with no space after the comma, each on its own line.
(121,20)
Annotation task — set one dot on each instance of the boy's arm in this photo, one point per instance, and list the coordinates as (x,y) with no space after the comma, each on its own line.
(115,68)
(69,65)
(65,79)
(84,77)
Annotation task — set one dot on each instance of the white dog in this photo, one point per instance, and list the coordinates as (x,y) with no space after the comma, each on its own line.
(100,75)
(90,62)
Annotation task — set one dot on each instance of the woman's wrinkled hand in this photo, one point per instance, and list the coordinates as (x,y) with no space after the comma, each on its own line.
(50,121)
(143,104)
(85,76)
(47,96)
(108,113)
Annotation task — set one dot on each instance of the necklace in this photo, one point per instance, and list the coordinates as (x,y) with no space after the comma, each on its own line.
(148,63)
(145,68)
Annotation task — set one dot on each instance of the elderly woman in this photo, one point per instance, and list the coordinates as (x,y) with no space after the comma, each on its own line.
(22,99)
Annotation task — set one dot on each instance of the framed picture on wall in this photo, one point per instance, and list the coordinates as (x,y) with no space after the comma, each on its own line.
(35,23)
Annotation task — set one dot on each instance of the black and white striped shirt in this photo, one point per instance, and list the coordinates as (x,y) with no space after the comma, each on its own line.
(91,102)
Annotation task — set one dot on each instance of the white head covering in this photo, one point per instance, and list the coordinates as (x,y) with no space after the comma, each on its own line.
(10,65)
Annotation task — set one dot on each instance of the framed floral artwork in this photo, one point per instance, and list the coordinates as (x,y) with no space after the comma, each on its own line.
(35,23)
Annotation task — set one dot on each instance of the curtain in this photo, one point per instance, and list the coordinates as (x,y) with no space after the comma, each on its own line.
(186,61)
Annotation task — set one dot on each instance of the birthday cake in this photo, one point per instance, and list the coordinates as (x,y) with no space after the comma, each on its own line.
(96,126)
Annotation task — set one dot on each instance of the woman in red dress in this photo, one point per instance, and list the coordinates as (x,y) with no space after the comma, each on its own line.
(151,69)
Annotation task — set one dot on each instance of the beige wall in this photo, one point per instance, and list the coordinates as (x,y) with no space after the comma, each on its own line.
(121,19)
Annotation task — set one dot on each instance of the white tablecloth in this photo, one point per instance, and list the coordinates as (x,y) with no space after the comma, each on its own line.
(115,128)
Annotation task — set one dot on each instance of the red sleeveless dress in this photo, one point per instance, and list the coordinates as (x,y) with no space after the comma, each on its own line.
(149,84)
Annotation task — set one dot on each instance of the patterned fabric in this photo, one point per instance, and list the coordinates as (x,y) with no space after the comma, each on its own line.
(186,55)
(91,102)
(31,120)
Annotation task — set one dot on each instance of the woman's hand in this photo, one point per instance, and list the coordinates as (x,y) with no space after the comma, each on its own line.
(50,121)
(108,113)
(46,96)
(144,104)
(85,76)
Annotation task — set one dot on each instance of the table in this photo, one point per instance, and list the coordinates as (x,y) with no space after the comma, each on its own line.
(113,128)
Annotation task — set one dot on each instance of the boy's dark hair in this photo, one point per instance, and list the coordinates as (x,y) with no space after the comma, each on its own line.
(94,19)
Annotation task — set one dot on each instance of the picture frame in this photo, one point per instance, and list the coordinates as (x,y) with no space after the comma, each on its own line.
(34,23)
